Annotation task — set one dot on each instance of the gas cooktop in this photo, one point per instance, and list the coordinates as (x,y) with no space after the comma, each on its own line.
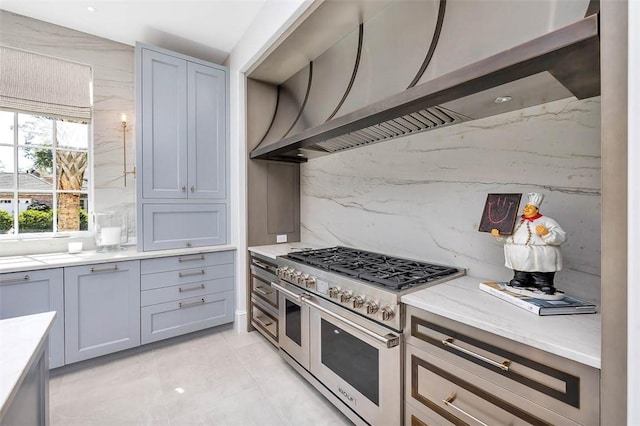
(394,273)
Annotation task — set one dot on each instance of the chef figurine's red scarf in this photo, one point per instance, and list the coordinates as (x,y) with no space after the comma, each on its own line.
(532,218)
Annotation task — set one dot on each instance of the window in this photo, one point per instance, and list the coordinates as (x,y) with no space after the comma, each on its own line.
(44,174)
(45,105)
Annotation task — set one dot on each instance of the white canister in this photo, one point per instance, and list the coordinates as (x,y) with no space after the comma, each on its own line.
(75,247)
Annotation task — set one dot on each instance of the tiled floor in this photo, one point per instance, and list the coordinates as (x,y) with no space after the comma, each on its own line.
(220,378)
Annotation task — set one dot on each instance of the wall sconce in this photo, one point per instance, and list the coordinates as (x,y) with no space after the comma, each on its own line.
(123,119)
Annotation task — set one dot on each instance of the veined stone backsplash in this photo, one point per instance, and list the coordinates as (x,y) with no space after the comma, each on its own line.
(422,196)
(113,93)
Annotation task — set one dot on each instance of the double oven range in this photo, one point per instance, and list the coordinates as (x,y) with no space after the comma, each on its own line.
(340,324)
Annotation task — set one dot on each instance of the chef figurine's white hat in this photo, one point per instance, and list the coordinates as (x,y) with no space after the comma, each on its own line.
(535,199)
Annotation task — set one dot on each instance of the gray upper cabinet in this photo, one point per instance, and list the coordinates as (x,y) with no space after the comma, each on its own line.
(164,126)
(182,134)
(206,111)
(33,292)
(184,131)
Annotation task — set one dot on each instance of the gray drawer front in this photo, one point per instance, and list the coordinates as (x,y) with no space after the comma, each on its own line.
(559,384)
(263,290)
(264,322)
(185,276)
(185,291)
(175,318)
(458,396)
(168,226)
(173,263)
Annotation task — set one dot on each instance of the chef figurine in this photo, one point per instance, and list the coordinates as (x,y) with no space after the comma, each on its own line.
(532,251)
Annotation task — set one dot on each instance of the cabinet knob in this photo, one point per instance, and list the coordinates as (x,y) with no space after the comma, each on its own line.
(184,189)
(193,189)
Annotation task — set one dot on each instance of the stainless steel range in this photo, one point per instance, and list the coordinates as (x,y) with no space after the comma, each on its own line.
(340,324)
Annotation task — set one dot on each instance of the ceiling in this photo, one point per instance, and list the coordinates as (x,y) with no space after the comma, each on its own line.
(208,29)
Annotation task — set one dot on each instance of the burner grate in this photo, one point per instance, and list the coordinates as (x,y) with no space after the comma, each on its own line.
(391,272)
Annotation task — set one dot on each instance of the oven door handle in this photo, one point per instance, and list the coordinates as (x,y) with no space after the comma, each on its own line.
(287,292)
(389,340)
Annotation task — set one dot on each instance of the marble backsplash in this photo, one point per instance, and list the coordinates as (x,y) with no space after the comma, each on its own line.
(422,196)
(113,93)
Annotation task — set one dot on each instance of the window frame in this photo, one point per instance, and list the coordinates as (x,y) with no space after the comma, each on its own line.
(89,175)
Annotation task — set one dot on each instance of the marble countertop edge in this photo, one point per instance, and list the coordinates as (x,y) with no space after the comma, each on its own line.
(271,251)
(22,340)
(32,262)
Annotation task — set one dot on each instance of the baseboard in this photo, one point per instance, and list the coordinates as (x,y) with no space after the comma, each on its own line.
(241,323)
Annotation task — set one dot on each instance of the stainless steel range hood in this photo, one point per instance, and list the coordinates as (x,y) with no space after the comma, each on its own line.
(315,115)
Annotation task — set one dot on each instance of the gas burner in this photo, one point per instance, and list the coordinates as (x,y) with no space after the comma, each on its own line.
(394,273)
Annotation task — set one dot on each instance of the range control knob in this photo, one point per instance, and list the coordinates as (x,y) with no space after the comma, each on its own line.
(286,272)
(387,313)
(309,282)
(371,307)
(296,276)
(333,292)
(344,296)
(357,302)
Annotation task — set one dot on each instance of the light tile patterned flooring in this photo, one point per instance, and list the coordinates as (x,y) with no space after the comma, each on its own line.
(218,378)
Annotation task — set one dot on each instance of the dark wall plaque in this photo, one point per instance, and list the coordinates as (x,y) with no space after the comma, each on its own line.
(500,212)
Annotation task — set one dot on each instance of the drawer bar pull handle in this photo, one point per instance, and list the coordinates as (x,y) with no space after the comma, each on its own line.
(109,269)
(264,265)
(261,322)
(190,274)
(25,277)
(198,287)
(189,259)
(449,403)
(261,290)
(503,366)
(186,304)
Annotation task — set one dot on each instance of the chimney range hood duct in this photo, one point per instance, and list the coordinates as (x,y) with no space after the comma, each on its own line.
(372,86)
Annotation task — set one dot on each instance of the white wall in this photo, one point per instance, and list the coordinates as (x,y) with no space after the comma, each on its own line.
(273,20)
(422,196)
(633,285)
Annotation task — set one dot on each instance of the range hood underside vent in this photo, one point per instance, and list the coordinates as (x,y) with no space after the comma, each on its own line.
(419,121)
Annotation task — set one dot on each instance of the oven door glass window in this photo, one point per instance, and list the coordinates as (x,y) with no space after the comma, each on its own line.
(293,322)
(353,360)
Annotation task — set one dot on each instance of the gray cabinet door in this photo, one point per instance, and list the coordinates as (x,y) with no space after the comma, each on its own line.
(207,131)
(164,126)
(102,309)
(34,292)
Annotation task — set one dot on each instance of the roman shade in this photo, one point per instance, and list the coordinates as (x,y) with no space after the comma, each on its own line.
(39,84)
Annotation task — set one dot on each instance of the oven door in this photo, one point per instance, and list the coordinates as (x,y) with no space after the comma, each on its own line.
(358,360)
(293,322)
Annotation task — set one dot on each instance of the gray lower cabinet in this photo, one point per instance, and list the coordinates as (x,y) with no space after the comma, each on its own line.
(182,294)
(263,304)
(456,374)
(102,309)
(33,292)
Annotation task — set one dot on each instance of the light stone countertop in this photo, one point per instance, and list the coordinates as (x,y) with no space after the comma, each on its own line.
(273,250)
(56,260)
(22,339)
(576,337)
